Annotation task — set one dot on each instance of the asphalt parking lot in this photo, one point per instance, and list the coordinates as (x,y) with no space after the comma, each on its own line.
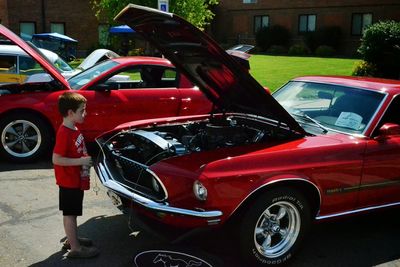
(31,230)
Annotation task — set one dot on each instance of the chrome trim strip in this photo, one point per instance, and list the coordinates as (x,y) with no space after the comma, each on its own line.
(356,211)
(277,181)
(147,203)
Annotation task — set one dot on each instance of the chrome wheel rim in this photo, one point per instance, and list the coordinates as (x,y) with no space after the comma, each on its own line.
(277,229)
(21,138)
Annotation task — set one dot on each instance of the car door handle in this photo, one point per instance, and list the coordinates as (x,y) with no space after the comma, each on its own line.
(167,98)
(187,100)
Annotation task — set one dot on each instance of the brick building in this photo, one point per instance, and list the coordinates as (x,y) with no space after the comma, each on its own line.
(74,18)
(238,20)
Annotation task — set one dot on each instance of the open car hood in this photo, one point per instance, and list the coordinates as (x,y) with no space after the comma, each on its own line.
(34,54)
(221,78)
(95,57)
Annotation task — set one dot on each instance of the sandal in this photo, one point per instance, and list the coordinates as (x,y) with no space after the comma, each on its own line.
(84,252)
(82,241)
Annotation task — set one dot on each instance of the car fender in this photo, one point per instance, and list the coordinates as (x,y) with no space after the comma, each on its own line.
(302,183)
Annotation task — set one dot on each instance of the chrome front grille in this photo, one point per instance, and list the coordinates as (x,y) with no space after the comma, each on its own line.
(136,176)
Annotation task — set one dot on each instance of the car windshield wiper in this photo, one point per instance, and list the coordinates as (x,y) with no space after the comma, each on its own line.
(309,119)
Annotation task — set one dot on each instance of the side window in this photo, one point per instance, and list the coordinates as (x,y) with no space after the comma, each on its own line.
(28,66)
(392,114)
(170,78)
(8,64)
(144,77)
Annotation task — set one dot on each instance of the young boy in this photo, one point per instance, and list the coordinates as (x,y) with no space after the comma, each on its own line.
(71,164)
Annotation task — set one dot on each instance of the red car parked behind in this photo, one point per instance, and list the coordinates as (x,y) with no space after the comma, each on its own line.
(118,90)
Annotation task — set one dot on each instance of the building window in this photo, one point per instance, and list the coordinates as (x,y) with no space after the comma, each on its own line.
(57,27)
(260,22)
(103,34)
(359,22)
(307,23)
(26,30)
(249,1)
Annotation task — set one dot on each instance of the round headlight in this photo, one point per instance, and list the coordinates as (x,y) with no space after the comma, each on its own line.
(155,185)
(200,191)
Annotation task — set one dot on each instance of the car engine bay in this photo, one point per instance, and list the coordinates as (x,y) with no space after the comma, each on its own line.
(150,145)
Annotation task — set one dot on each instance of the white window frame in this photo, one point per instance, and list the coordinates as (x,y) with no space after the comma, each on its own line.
(264,22)
(365,21)
(29,32)
(56,26)
(310,23)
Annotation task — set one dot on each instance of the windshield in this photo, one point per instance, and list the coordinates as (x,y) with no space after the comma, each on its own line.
(78,81)
(62,65)
(338,108)
(42,55)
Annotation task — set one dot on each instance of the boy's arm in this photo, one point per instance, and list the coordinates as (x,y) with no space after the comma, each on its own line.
(63,161)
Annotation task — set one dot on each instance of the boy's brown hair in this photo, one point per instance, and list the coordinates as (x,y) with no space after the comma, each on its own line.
(70,101)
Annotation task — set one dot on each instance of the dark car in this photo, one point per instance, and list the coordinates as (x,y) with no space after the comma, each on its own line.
(118,90)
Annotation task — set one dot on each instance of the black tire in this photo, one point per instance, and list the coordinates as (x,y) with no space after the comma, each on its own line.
(24,137)
(279,219)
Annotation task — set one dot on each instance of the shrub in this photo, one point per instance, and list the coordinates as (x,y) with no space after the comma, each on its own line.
(298,50)
(330,36)
(275,35)
(277,50)
(380,46)
(324,51)
(363,68)
(136,52)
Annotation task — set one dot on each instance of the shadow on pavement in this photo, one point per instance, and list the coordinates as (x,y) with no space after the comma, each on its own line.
(368,240)
(118,246)
(44,163)
(110,235)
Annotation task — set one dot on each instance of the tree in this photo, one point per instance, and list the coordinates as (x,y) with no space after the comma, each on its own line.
(196,12)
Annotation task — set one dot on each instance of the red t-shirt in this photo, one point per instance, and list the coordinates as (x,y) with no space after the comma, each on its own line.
(70,144)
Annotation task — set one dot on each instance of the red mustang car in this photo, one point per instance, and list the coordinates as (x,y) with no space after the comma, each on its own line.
(118,90)
(318,148)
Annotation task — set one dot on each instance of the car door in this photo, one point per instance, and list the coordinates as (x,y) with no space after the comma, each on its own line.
(380,183)
(9,69)
(193,100)
(132,93)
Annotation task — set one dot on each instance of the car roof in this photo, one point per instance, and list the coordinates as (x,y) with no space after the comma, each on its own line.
(11,49)
(143,60)
(377,84)
(16,50)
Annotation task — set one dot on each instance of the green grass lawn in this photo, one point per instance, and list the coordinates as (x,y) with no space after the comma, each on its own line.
(274,71)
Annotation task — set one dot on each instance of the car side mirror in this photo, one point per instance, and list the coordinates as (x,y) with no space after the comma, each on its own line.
(387,130)
(105,87)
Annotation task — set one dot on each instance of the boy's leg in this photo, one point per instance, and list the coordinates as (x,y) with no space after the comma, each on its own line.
(71,205)
(71,231)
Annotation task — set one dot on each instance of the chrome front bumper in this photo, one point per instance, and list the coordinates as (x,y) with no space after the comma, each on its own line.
(102,171)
